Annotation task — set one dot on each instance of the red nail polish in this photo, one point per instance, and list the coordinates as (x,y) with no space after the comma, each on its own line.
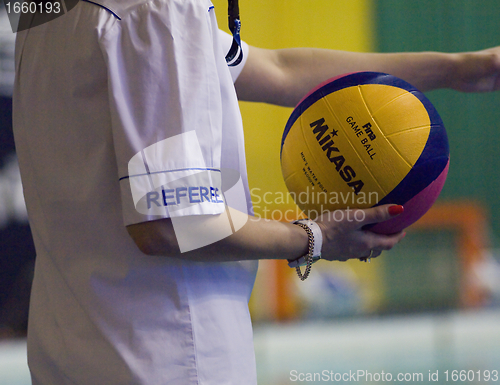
(396,210)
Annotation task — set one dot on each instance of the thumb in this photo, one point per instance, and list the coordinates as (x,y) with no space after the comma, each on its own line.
(381,213)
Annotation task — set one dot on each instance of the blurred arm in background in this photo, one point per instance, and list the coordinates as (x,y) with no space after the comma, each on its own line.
(284,76)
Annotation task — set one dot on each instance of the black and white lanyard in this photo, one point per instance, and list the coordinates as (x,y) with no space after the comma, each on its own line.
(235,54)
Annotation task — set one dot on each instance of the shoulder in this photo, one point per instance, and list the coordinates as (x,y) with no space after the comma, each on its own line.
(121,9)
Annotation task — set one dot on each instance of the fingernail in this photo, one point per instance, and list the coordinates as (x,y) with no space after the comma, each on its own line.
(396,210)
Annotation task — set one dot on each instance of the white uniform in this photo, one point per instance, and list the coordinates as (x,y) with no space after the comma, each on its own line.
(94,88)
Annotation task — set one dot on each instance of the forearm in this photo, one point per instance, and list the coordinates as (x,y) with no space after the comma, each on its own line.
(257,239)
(425,70)
(283,77)
(265,239)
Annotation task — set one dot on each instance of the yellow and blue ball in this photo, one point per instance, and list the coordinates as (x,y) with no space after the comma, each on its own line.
(362,140)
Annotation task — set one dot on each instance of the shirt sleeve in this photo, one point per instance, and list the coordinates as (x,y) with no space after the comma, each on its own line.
(226,41)
(165,71)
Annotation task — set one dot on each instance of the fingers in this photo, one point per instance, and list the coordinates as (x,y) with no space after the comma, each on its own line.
(373,254)
(380,214)
(380,242)
(365,245)
(346,239)
(358,218)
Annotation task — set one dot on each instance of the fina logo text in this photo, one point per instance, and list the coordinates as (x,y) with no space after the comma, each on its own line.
(333,154)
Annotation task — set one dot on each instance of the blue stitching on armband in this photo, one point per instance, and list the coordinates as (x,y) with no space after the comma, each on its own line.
(168,171)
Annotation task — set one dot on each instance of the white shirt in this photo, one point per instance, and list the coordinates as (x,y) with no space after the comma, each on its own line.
(95,88)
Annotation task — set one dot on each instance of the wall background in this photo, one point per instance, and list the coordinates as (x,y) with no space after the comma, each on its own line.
(472,120)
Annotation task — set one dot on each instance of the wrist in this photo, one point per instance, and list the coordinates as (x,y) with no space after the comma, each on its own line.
(317,234)
(315,242)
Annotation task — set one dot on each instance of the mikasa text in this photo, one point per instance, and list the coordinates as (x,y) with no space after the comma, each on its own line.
(324,139)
